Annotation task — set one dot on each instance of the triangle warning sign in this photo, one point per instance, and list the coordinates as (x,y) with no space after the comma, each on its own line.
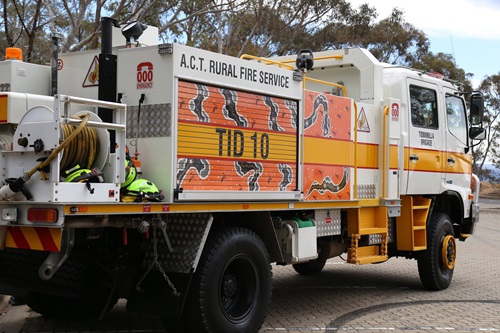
(92,77)
(363,125)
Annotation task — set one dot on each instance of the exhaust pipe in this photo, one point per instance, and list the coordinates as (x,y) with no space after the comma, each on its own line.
(107,24)
(53,63)
(107,66)
(107,90)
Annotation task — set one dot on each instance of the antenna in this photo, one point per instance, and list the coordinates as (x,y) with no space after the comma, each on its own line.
(453,50)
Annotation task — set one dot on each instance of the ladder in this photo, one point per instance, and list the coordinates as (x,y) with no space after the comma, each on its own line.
(367,223)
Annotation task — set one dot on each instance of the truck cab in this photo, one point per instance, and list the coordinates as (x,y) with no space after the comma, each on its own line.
(429,125)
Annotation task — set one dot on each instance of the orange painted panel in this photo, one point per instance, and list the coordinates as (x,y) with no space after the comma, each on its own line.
(327,116)
(327,182)
(230,140)
(227,107)
(328,153)
(225,175)
(3,108)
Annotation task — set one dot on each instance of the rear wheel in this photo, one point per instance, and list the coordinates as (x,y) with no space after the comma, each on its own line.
(232,287)
(437,263)
(310,267)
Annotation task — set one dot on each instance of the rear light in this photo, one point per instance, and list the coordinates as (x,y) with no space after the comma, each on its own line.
(42,215)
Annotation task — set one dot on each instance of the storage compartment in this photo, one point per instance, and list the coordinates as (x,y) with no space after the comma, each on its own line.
(298,240)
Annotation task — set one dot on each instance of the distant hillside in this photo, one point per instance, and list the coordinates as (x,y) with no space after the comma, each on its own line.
(495,172)
(490,190)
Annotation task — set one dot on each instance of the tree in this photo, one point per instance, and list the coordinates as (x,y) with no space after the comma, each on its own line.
(445,64)
(267,28)
(24,24)
(28,24)
(260,27)
(490,148)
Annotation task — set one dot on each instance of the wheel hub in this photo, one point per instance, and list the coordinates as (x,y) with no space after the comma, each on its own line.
(230,286)
(448,252)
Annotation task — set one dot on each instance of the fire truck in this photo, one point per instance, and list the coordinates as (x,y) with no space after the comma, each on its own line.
(174,177)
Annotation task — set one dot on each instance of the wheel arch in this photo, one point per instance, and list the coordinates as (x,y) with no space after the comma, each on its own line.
(451,203)
(259,222)
(232,287)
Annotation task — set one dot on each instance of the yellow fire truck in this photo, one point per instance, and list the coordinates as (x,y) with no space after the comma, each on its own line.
(174,177)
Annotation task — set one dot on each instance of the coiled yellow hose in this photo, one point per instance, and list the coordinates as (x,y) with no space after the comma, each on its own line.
(82,151)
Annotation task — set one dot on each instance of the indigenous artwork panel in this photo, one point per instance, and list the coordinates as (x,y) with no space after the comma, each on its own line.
(231,140)
(327,147)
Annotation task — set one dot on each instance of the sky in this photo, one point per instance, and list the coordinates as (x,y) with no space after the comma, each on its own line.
(467,29)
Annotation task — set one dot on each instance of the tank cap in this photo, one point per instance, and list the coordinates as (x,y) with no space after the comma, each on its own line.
(13,53)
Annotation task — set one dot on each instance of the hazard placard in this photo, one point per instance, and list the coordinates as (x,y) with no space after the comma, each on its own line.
(92,77)
(363,125)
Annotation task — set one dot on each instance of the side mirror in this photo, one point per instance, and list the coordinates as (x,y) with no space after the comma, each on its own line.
(477,133)
(476,108)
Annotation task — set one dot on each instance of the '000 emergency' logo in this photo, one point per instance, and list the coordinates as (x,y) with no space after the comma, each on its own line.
(145,75)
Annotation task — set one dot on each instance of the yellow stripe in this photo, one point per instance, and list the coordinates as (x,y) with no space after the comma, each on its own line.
(428,160)
(9,241)
(219,141)
(437,161)
(56,234)
(368,156)
(327,151)
(155,208)
(463,163)
(336,152)
(32,238)
(393,157)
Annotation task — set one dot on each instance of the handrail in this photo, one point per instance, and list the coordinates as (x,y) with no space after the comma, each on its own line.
(97,124)
(266,60)
(87,101)
(477,187)
(355,150)
(284,64)
(337,57)
(384,153)
(328,83)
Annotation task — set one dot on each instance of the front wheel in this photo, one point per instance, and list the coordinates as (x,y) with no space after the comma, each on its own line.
(436,264)
(232,286)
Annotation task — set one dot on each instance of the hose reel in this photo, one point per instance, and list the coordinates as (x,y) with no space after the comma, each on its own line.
(82,151)
(44,137)
(88,149)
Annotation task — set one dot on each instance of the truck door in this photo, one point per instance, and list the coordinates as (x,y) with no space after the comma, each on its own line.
(424,156)
(457,164)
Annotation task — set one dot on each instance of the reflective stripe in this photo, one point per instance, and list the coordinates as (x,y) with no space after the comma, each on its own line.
(34,238)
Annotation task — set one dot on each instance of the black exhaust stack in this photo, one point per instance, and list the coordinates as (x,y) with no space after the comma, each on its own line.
(107,89)
(54,64)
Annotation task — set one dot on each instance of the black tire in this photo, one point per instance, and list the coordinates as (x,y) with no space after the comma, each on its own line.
(434,275)
(232,287)
(69,308)
(310,267)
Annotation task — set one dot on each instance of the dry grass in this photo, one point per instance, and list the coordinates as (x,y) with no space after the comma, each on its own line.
(490,190)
